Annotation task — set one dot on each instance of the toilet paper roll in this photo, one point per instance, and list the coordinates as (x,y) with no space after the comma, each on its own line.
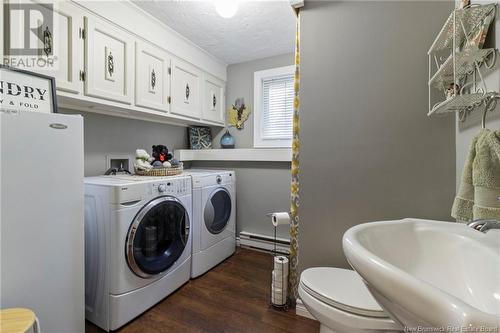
(278,300)
(281,265)
(278,296)
(280,218)
(279,275)
(279,291)
(279,285)
(279,280)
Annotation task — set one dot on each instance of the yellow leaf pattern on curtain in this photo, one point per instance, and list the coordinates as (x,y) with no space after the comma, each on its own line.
(294,216)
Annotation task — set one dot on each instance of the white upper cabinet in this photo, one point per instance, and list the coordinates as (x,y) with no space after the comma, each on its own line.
(185,86)
(114,59)
(68,47)
(109,61)
(213,99)
(152,78)
(59,46)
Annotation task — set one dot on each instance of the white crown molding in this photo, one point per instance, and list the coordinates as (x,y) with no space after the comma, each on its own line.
(297,3)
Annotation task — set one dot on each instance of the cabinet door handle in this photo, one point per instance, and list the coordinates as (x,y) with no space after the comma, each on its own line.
(188,91)
(214,100)
(111,64)
(47,41)
(153,79)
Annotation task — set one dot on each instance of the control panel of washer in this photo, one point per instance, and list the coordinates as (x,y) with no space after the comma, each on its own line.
(173,187)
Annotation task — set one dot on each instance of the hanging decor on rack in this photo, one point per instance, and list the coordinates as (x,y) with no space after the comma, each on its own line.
(455,74)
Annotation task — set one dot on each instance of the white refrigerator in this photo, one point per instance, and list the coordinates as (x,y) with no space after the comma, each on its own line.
(41,223)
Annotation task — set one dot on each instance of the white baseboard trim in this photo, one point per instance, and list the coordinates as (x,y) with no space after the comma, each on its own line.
(263,242)
(301,310)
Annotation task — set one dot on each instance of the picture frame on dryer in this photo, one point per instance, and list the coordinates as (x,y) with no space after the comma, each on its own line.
(22,90)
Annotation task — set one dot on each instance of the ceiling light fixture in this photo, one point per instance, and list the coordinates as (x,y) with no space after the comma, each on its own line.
(226,8)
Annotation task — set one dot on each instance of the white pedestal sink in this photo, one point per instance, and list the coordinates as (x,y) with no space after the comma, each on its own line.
(430,276)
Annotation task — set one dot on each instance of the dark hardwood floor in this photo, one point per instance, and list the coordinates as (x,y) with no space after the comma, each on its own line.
(232,297)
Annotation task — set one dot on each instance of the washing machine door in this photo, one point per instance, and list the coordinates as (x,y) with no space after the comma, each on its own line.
(217,210)
(157,236)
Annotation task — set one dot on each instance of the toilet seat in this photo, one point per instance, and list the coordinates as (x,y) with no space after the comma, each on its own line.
(341,302)
(343,289)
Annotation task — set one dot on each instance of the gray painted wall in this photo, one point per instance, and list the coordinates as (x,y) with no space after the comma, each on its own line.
(368,150)
(261,187)
(240,84)
(104,135)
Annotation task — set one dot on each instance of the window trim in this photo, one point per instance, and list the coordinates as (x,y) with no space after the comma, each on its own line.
(258,77)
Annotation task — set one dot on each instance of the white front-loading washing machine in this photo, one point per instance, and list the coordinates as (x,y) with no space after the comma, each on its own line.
(214,218)
(137,244)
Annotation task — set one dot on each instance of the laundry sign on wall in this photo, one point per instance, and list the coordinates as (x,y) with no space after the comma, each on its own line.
(26,91)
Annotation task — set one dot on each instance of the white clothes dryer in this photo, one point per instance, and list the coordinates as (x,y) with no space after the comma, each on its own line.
(214,218)
(137,244)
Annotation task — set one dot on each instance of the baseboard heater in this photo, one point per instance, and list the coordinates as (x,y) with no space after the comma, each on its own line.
(263,242)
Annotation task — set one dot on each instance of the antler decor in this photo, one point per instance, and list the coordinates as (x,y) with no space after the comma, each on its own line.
(238,114)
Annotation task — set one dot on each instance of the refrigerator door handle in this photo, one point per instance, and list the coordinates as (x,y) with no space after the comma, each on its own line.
(58,126)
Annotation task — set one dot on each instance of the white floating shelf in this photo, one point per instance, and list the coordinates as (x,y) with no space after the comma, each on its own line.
(251,154)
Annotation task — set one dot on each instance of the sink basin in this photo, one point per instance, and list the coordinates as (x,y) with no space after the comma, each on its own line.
(430,274)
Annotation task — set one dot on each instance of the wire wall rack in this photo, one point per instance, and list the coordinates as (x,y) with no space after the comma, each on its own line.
(455,64)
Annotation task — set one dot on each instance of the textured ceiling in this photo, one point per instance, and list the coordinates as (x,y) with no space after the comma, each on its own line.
(259,29)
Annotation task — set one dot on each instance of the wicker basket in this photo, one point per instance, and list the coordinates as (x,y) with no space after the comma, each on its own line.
(160,172)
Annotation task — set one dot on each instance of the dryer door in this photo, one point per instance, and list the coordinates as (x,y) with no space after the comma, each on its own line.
(157,237)
(217,210)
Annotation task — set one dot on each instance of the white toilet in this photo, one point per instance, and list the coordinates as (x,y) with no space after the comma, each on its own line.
(340,301)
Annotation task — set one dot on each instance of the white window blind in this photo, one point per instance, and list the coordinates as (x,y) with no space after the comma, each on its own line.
(277,107)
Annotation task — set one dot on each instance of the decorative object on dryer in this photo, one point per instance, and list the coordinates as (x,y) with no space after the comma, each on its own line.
(142,165)
(142,160)
(238,114)
(161,154)
(158,164)
(21,90)
(227,140)
(175,162)
(143,155)
(200,137)
(160,171)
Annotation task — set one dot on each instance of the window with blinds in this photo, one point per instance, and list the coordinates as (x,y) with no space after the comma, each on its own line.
(273,100)
(277,108)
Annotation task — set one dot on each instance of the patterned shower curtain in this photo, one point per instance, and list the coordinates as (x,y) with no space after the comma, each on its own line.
(294,216)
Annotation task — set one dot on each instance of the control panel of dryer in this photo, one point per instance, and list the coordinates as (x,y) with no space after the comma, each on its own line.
(222,178)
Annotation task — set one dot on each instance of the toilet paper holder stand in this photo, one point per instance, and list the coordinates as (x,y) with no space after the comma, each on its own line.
(284,281)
